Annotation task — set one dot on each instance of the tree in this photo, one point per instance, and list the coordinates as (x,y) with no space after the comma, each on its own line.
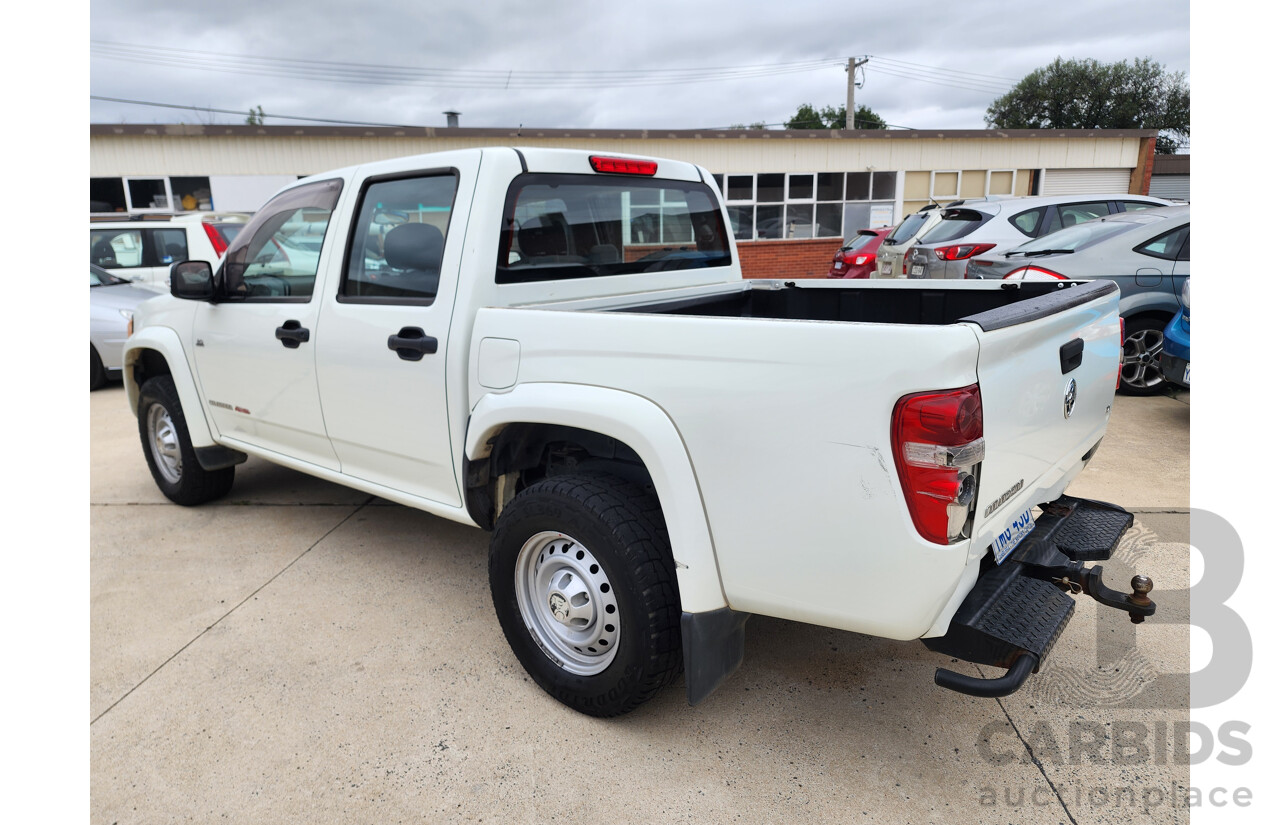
(807,117)
(255,118)
(1086,94)
(759,124)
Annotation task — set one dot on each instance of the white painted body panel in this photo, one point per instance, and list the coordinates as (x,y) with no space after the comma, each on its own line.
(768,441)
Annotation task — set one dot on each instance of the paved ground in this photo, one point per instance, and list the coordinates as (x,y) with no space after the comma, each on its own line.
(303,653)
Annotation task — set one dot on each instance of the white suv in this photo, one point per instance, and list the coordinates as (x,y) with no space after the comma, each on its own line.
(973,231)
(140,248)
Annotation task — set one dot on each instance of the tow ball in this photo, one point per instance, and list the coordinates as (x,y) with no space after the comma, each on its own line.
(1089,581)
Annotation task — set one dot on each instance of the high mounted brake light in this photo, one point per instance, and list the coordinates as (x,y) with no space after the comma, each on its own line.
(937,446)
(624,166)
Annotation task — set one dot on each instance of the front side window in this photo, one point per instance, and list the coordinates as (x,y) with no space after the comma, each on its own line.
(579,226)
(1168,245)
(398,243)
(277,254)
(115,248)
(1073,213)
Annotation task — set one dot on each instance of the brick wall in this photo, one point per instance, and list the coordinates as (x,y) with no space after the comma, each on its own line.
(787,259)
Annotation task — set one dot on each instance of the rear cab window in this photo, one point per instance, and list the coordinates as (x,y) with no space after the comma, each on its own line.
(558,227)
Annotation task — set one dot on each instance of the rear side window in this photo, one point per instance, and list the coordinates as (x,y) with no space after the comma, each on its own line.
(956,223)
(397,245)
(170,245)
(1026,222)
(1071,214)
(580,226)
(277,254)
(1135,206)
(1169,245)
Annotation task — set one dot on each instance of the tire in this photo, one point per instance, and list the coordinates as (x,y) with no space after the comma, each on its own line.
(167,446)
(594,550)
(97,372)
(1140,372)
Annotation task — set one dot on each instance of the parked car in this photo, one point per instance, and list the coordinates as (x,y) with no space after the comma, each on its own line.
(141,248)
(1148,254)
(111,304)
(857,258)
(981,229)
(891,257)
(1175,358)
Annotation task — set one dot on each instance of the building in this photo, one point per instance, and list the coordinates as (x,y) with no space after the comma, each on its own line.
(792,196)
(1171,177)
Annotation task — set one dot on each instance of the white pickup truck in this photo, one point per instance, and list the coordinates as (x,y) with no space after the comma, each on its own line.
(559,347)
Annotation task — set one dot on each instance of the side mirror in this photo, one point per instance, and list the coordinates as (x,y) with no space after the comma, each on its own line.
(192,280)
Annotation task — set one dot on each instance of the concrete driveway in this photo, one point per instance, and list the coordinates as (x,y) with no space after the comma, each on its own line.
(300,652)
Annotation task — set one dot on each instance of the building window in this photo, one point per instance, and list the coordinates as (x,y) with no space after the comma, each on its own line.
(150,194)
(799,205)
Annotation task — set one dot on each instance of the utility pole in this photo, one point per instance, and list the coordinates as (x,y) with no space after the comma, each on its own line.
(849,109)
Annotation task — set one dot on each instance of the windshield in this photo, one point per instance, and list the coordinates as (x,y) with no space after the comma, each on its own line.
(582,226)
(1080,236)
(100,277)
(908,228)
(956,223)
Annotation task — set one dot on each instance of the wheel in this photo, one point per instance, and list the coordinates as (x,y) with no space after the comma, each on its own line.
(97,372)
(1140,369)
(585,590)
(167,446)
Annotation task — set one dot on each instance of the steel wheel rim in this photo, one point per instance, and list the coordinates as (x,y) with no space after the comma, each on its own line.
(1141,365)
(162,437)
(567,603)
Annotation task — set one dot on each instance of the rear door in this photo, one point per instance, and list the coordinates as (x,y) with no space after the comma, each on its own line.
(1047,384)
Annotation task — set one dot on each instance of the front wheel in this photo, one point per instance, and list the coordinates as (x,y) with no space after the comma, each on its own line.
(584,587)
(167,446)
(1140,372)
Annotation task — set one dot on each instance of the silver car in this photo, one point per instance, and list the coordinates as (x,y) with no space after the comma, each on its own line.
(890,257)
(971,235)
(1147,254)
(111,304)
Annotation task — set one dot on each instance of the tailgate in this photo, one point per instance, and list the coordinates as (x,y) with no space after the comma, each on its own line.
(1047,371)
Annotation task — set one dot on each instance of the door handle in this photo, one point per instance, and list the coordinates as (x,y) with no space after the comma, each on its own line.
(292,334)
(411,343)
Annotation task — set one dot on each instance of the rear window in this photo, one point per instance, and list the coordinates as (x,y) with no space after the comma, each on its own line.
(557,227)
(956,223)
(860,240)
(909,226)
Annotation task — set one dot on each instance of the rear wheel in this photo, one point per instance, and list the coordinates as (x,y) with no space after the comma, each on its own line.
(167,446)
(1140,372)
(584,587)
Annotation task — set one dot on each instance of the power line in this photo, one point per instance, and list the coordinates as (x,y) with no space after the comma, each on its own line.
(951,72)
(242,113)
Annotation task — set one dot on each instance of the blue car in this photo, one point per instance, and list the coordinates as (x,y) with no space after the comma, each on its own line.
(1175,359)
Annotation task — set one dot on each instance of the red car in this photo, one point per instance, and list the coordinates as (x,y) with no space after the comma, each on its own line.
(857,258)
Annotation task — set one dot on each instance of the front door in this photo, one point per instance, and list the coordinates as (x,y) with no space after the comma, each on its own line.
(255,349)
(386,332)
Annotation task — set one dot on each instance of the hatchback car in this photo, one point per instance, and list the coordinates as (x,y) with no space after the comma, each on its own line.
(1175,359)
(141,248)
(1147,254)
(970,235)
(111,304)
(891,257)
(857,258)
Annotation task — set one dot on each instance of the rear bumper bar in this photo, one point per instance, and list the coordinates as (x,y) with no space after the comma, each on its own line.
(1018,609)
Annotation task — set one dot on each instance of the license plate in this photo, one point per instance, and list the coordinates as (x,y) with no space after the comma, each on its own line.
(1013,535)
(917,270)
(886,268)
(1186,375)
(839,265)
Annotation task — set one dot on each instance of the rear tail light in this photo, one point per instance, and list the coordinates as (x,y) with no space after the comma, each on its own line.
(937,446)
(1036,273)
(905,256)
(959,252)
(854,259)
(1120,369)
(624,166)
(215,238)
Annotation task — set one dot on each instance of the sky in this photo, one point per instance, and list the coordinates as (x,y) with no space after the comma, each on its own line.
(557,64)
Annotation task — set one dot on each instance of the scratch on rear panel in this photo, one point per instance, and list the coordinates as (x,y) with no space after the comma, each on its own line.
(870,471)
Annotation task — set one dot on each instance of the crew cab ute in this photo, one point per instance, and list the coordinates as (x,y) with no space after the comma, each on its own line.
(559,347)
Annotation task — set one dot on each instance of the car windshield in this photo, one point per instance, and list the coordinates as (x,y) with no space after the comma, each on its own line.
(100,277)
(956,223)
(909,226)
(1074,238)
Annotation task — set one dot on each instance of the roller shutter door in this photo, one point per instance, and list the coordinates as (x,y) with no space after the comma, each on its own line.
(1172,187)
(1085,181)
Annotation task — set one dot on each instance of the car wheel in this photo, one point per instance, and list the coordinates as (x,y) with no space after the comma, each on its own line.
(97,372)
(1140,372)
(584,586)
(167,446)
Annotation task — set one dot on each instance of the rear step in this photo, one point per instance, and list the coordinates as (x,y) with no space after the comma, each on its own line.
(1018,609)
